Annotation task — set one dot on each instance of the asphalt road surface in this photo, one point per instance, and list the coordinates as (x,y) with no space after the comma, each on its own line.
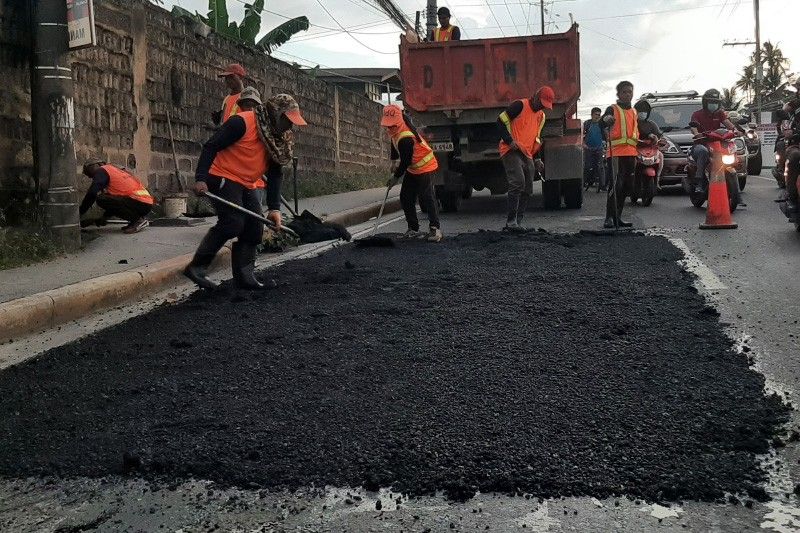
(481,368)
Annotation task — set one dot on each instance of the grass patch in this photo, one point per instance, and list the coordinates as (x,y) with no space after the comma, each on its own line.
(20,247)
(310,187)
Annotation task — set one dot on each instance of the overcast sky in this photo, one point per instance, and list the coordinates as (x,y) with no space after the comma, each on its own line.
(659,45)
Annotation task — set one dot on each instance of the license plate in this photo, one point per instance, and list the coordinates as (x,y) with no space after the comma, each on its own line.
(442,147)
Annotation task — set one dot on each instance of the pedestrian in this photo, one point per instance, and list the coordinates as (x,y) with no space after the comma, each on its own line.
(445,32)
(594,147)
(252,143)
(119,193)
(416,167)
(234,75)
(622,120)
(520,127)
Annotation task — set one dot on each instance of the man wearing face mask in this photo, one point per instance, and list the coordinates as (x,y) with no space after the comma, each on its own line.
(710,118)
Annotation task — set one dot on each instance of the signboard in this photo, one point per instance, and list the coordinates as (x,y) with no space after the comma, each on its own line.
(80,22)
(768,133)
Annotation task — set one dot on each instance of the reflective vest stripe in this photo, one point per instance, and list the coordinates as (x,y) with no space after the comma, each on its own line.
(623,122)
(507,121)
(425,159)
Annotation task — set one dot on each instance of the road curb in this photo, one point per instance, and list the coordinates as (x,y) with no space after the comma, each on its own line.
(46,310)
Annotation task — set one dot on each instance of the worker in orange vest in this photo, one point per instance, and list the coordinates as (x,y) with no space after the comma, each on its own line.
(119,193)
(520,127)
(231,166)
(234,75)
(417,162)
(445,32)
(622,121)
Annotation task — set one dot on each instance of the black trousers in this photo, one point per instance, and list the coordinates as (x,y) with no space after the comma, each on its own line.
(122,207)
(230,222)
(418,186)
(624,168)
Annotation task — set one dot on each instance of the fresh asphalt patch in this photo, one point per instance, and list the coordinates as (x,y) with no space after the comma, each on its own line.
(541,364)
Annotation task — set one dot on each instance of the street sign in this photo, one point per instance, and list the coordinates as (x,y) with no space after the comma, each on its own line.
(768,133)
(80,22)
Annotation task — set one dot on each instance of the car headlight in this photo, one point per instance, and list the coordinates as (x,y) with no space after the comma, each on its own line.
(728,159)
(670,147)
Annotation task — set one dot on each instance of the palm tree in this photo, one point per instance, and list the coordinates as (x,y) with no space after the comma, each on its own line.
(747,81)
(777,67)
(246,32)
(730,99)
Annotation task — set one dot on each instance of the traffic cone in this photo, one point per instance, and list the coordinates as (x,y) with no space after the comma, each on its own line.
(718,213)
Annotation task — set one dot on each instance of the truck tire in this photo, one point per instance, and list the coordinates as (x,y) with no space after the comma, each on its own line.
(551,194)
(573,193)
(450,201)
(755,165)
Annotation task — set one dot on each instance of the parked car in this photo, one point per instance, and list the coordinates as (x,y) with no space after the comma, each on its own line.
(673,112)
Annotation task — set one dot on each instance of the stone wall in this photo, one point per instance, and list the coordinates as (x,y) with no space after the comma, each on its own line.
(147,64)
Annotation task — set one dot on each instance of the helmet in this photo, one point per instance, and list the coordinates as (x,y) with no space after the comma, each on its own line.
(643,106)
(711,96)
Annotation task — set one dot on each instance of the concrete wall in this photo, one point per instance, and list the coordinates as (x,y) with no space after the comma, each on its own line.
(148,63)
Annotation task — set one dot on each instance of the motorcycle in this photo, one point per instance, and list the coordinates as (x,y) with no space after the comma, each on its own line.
(646,177)
(722,151)
(790,129)
(778,171)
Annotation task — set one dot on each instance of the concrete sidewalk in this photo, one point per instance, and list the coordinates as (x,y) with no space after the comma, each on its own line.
(109,251)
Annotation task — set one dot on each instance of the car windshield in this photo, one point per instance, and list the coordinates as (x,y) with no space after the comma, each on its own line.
(674,116)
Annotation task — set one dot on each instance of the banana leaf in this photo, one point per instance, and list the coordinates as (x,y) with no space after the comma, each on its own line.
(218,16)
(251,24)
(281,34)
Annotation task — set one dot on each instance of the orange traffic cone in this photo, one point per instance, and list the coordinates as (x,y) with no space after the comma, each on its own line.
(718,213)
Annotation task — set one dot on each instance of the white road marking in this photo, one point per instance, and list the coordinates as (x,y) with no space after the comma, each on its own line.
(661,512)
(693,264)
(763,178)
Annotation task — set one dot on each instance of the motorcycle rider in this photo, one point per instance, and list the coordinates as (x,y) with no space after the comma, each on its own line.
(710,118)
(788,110)
(649,130)
(792,156)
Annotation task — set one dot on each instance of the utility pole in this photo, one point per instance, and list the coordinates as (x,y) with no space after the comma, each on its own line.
(53,122)
(759,67)
(541,13)
(431,23)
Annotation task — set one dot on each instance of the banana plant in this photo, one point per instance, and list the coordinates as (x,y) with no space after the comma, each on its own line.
(246,32)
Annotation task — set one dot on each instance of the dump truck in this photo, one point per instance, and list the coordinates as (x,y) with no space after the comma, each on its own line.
(455,91)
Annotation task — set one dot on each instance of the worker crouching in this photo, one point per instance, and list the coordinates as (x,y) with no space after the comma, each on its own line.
(416,165)
(249,145)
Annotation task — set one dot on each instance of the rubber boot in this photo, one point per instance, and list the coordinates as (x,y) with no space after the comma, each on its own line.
(197,270)
(523,206)
(243,264)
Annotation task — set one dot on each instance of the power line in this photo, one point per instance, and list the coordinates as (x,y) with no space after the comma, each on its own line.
(350,34)
(313,64)
(494,17)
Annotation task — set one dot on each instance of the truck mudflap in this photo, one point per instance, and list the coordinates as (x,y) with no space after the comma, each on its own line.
(563,159)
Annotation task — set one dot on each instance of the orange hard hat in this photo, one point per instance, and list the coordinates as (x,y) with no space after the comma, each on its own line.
(392,116)
(546,96)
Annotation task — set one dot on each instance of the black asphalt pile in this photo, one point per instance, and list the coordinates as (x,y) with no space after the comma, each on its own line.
(484,363)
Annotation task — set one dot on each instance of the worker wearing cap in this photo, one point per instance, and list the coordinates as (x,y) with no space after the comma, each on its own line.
(520,127)
(231,166)
(445,32)
(623,123)
(119,193)
(234,75)
(416,167)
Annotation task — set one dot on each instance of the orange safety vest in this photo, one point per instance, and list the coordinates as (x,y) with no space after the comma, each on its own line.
(441,35)
(230,106)
(423,160)
(123,183)
(245,161)
(525,129)
(625,133)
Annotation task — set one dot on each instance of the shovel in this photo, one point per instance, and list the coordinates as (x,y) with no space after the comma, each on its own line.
(256,216)
(377,241)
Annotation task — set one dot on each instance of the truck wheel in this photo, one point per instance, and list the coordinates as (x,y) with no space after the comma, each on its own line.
(755,165)
(466,194)
(450,201)
(551,194)
(573,194)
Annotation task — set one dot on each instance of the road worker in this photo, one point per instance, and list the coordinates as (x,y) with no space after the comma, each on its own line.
(416,165)
(234,75)
(250,144)
(622,121)
(119,193)
(520,127)
(445,32)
